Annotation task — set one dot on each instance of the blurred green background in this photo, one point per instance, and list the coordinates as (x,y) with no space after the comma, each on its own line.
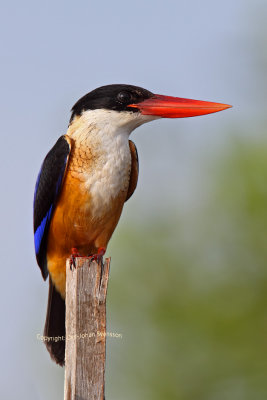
(188,274)
(189,292)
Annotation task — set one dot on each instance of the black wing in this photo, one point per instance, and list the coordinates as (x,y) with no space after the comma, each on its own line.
(47,189)
(134,170)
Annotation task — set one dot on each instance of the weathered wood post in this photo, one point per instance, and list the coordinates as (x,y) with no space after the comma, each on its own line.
(85,356)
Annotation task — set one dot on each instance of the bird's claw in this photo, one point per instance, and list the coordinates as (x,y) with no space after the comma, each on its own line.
(74,254)
(99,256)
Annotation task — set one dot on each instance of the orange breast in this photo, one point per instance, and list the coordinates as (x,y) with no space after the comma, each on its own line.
(74,225)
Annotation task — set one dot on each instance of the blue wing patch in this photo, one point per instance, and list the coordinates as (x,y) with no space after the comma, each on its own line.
(47,189)
(38,236)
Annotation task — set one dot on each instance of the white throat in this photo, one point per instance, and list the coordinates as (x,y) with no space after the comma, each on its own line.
(106,134)
(110,121)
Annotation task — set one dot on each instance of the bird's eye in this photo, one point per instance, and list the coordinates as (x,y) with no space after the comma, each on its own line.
(124,97)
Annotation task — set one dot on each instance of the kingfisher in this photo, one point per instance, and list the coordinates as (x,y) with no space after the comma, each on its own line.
(86,178)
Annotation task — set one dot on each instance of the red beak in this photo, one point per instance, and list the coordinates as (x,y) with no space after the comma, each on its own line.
(177,107)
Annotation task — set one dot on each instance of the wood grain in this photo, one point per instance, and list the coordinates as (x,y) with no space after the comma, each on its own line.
(86,290)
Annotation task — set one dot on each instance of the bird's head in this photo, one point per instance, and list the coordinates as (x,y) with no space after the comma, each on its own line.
(129,106)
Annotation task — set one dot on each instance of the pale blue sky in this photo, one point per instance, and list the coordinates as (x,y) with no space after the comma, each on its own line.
(54,52)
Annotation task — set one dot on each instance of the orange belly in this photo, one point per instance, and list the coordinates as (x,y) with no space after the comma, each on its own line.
(74,225)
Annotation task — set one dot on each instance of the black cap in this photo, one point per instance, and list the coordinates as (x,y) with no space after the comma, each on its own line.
(111,97)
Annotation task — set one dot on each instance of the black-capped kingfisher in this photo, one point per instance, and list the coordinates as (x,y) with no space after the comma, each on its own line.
(86,178)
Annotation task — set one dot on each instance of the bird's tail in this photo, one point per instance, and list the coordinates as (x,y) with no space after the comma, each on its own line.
(54,330)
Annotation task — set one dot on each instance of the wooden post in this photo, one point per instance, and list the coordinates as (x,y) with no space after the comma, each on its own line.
(85,356)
